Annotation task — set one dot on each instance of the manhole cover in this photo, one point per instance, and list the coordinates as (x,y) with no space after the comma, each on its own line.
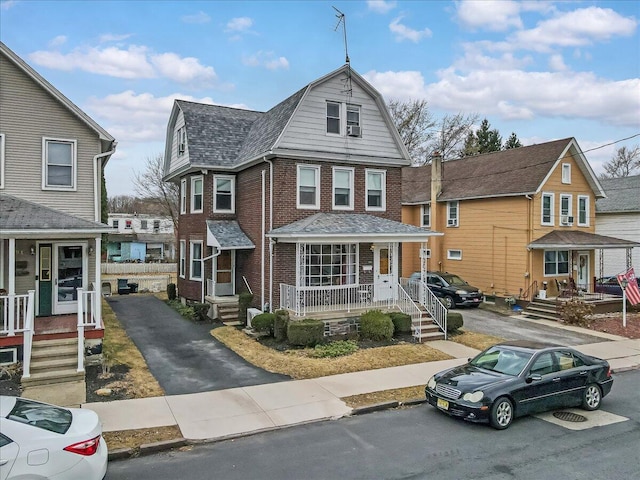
(570,417)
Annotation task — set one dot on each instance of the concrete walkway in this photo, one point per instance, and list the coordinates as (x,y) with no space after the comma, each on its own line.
(239,411)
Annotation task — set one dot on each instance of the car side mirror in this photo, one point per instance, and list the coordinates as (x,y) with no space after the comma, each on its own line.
(533,378)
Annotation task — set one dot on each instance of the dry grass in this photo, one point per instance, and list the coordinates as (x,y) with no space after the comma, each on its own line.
(299,365)
(135,438)
(397,394)
(479,341)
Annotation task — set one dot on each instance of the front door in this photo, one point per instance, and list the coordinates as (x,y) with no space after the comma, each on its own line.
(383,272)
(70,273)
(45,284)
(583,272)
(224,264)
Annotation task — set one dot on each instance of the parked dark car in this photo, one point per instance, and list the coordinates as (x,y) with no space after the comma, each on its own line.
(610,285)
(452,289)
(517,378)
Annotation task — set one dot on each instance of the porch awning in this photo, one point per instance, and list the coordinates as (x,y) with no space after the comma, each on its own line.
(575,239)
(227,235)
(349,227)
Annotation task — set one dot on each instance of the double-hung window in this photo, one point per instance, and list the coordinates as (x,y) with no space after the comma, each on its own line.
(308,187)
(196,194)
(547,209)
(565,210)
(556,262)
(182,140)
(376,185)
(195,251)
(59,164)
(223,193)
(583,210)
(116,224)
(342,188)
(143,225)
(566,173)
(452,214)
(183,256)
(183,196)
(333,117)
(425,216)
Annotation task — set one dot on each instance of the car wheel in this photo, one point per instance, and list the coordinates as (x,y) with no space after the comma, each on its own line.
(591,397)
(501,413)
(448,302)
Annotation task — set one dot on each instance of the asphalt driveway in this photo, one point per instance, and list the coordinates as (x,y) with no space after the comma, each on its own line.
(513,328)
(182,355)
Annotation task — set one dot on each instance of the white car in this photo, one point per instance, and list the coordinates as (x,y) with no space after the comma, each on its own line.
(42,441)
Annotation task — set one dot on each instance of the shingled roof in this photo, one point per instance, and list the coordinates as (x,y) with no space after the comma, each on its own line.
(576,239)
(516,171)
(623,195)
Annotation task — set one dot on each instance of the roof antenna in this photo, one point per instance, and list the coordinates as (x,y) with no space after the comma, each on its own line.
(342,20)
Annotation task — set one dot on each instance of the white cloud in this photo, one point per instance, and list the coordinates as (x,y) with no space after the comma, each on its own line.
(239,24)
(556,62)
(494,15)
(402,32)
(113,37)
(381,6)
(267,60)
(7,4)
(183,70)
(196,18)
(410,84)
(58,41)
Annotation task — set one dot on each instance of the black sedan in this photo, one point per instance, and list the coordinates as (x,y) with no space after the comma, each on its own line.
(517,378)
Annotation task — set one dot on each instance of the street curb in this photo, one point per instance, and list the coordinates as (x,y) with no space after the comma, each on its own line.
(147,449)
(377,407)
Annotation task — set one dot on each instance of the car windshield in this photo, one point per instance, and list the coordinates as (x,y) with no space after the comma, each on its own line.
(41,415)
(454,280)
(502,359)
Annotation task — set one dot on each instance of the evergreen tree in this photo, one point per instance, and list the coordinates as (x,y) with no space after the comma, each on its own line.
(512,142)
(489,140)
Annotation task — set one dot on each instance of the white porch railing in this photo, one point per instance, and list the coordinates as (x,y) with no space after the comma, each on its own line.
(89,315)
(16,316)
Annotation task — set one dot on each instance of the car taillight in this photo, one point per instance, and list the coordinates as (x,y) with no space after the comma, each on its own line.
(86,448)
(609,372)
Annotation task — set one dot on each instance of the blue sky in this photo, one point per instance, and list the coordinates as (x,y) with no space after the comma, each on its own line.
(542,69)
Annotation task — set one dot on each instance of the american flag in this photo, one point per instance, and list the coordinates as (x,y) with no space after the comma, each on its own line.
(632,291)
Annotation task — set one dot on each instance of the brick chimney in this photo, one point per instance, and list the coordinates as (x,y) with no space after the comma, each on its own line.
(436,177)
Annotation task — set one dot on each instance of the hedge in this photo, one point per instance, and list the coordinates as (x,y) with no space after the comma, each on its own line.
(454,321)
(244,301)
(306,332)
(171,291)
(401,322)
(376,325)
(200,311)
(263,323)
(280,325)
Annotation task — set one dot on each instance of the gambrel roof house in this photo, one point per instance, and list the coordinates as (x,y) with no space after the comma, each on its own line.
(52,155)
(515,221)
(619,215)
(300,204)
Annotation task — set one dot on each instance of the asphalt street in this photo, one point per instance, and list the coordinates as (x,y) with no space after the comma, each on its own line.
(182,355)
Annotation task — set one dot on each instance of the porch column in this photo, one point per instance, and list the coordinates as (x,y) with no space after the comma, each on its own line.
(300,263)
(11,290)
(98,290)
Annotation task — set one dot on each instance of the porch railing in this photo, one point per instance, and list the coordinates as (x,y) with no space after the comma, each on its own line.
(89,315)
(409,307)
(16,316)
(421,293)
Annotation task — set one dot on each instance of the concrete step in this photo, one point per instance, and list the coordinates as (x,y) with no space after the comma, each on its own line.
(54,364)
(429,337)
(52,377)
(57,342)
(39,352)
(540,315)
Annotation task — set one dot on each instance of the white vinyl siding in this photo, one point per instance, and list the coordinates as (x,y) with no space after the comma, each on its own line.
(308,187)
(547,207)
(620,225)
(224,194)
(195,257)
(583,211)
(178,160)
(1,160)
(342,188)
(183,196)
(58,164)
(376,194)
(196,194)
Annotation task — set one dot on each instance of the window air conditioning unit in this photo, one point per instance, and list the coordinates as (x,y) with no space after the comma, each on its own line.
(354,130)
(566,220)
(452,222)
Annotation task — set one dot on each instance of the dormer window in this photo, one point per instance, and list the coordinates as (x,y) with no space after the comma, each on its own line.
(181,136)
(336,111)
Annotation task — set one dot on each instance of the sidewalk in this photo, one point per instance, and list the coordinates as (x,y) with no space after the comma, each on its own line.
(240,411)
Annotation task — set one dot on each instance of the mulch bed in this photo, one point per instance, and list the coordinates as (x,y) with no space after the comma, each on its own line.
(612,323)
(114,379)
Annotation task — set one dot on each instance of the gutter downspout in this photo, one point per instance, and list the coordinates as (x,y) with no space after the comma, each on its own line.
(262,241)
(98,186)
(271,242)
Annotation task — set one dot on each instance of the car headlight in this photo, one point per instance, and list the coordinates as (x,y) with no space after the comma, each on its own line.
(432,383)
(474,397)
(461,292)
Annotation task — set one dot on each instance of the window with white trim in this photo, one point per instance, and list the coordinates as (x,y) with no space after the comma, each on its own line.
(330,264)
(425,216)
(566,209)
(181,136)
(308,187)
(183,257)
(59,164)
(556,262)
(224,193)
(547,209)
(376,186)
(566,173)
(454,254)
(115,223)
(452,214)
(183,196)
(195,260)
(127,224)
(583,210)
(333,117)
(143,224)
(196,194)
(2,160)
(342,188)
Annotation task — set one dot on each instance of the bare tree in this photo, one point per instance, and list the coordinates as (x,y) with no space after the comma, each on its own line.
(452,130)
(122,204)
(415,124)
(150,186)
(624,163)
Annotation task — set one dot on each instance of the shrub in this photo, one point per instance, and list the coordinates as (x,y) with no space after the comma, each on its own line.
(200,311)
(335,349)
(184,310)
(263,323)
(454,321)
(401,322)
(280,325)
(172,293)
(306,332)
(575,312)
(376,325)
(244,301)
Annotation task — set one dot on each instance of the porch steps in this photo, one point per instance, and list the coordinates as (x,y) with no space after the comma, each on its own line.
(540,309)
(54,376)
(427,331)
(228,313)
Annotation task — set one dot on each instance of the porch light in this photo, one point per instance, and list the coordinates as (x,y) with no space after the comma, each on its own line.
(90,250)
(32,249)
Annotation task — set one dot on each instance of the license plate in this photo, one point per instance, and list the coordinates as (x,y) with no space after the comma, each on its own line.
(443,404)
